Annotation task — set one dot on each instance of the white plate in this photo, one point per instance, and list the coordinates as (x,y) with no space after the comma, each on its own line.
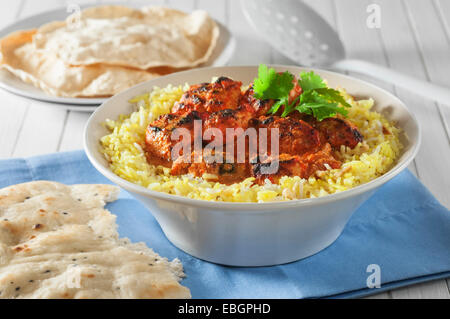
(223,52)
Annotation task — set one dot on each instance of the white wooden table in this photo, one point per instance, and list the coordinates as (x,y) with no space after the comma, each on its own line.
(414,38)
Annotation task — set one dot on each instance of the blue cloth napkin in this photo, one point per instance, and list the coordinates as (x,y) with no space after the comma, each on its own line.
(403,229)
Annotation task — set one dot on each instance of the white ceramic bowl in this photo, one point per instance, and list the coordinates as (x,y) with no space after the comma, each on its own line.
(253,234)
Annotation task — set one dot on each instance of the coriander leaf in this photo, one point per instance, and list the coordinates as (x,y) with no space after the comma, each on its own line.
(271,85)
(275,107)
(316,99)
(264,80)
(321,110)
(311,96)
(318,105)
(311,81)
(290,107)
(332,95)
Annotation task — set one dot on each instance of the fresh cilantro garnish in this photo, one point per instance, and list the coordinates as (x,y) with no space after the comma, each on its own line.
(316,99)
(312,103)
(274,86)
(322,103)
(311,81)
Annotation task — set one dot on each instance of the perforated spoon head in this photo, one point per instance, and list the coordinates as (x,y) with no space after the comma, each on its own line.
(295,30)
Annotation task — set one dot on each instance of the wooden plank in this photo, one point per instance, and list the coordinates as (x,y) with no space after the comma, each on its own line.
(383,295)
(429,64)
(434,46)
(12,109)
(42,126)
(41,130)
(72,137)
(430,290)
(447,281)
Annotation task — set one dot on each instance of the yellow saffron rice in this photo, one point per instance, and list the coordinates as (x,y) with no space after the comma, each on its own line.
(123,148)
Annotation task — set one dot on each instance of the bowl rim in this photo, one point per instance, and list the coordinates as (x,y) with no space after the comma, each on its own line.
(251,206)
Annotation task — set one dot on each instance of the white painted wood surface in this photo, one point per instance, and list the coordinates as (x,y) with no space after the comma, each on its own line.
(414,38)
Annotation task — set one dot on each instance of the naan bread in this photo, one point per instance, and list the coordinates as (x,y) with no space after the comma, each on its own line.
(117,35)
(58,241)
(46,71)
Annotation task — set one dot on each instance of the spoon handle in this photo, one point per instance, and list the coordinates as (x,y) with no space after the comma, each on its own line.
(423,88)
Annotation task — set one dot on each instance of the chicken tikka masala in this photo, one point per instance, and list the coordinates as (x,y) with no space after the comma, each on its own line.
(306,144)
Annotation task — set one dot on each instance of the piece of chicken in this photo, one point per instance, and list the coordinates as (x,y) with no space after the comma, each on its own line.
(212,169)
(221,94)
(213,103)
(296,165)
(334,130)
(296,137)
(228,121)
(158,137)
(338,131)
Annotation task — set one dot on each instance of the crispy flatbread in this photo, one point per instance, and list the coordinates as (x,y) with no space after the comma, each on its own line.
(58,241)
(142,39)
(46,71)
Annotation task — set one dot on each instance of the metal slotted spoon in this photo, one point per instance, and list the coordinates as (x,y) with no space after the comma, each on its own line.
(302,35)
